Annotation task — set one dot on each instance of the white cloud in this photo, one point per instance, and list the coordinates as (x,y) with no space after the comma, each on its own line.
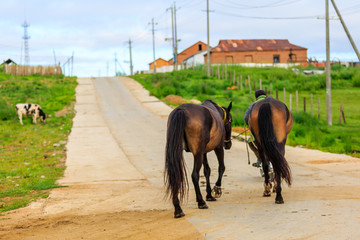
(95,30)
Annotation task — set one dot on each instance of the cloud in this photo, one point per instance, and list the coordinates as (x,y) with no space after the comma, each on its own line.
(95,30)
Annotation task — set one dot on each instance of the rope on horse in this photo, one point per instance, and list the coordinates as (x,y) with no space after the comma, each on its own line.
(247,147)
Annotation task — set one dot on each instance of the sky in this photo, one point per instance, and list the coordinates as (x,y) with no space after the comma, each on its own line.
(94,32)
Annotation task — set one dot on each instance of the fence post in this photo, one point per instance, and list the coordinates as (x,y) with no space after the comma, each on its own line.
(311,103)
(290,102)
(342,115)
(241,82)
(297,101)
(270,89)
(254,86)
(304,104)
(318,108)
(234,77)
(260,83)
(284,91)
(226,73)
(237,84)
(249,84)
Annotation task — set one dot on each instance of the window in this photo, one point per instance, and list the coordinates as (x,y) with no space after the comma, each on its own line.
(276,58)
(229,59)
(200,47)
(248,58)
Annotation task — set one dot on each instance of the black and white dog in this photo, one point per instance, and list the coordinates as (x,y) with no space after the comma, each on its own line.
(26,109)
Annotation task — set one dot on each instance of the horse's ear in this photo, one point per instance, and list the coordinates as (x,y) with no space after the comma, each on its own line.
(230,106)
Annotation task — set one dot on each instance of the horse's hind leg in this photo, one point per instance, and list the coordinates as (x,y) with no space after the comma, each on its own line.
(279,199)
(217,192)
(207,172)
(178,211)
(195,176)
(267,183)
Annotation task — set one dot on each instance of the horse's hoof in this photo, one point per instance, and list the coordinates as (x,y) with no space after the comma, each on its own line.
(267,191)
(279,200)
(267,194)
(203,206)
(210,199)
(179,215)
(216,192)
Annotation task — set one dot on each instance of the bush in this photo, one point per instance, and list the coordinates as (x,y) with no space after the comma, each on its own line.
(356,80)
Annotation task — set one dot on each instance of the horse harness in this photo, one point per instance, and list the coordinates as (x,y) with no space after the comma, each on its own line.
(224,119)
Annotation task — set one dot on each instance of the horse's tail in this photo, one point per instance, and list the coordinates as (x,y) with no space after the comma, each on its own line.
(175,172)
(270,145)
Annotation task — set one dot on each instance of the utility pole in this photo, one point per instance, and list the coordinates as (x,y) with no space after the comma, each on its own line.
(208,40)
(153,33)
(115,63)
(54,56)
(328,69)
(175,40)
(172,35)
(346,30)
(131,65)
(26,37)
(107,68)
(72,63)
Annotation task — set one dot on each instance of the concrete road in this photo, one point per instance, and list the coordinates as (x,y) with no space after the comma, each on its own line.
(323,202)
(115,189)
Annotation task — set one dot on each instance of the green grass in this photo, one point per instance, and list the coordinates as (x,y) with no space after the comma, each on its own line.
(307,131)
(30,164)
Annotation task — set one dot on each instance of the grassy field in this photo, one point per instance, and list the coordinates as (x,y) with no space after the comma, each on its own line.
(32,156)
(307,131)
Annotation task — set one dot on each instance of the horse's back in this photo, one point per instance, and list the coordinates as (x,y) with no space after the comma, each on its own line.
(203,129)
(197,127)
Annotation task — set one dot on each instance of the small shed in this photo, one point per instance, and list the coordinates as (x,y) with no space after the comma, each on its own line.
(196,59)
(9,62)
(190,51)
(158,63)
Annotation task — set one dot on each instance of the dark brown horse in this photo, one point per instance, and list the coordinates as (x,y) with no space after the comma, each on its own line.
(198,129)
(270,122)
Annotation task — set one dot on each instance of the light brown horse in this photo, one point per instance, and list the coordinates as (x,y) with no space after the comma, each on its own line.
(198,129)
(270,122)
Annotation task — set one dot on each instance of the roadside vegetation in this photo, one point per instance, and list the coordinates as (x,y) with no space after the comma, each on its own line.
(32,156)
(308,131)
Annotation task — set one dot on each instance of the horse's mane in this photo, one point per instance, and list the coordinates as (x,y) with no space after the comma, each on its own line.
(210,101)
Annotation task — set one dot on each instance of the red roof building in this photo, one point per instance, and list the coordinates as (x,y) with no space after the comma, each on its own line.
(193,49)
(257,51)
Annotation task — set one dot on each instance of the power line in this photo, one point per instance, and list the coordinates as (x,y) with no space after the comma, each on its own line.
(274,18)
(236,5)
